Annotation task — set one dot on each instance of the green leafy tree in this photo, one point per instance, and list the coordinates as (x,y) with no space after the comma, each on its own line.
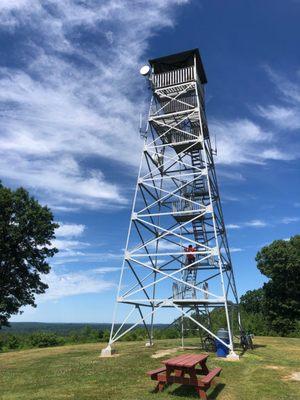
(26,231)
(45,339)
(280,262)
(253,301)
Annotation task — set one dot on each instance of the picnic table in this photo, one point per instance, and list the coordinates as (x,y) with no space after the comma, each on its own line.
(186,369)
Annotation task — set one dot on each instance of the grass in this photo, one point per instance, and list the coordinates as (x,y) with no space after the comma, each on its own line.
(77,373)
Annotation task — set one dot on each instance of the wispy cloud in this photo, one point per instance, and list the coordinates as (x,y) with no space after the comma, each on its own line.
(75,95)
(233,226)
(235,249)
(67,247)
(259,223)
(284,117)
(290,220)
(244,141)
(75,283)
(256,223)
(284,112)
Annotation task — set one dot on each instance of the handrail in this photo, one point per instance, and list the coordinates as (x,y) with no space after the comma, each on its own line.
(173,77)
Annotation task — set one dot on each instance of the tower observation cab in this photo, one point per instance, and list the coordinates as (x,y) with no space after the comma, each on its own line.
(177,255)
(170,78)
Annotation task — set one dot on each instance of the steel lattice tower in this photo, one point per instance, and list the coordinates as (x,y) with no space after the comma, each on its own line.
(176,203)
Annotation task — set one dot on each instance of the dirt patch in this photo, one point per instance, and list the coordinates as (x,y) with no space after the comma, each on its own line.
(294,376)
(276,367)
(165,352)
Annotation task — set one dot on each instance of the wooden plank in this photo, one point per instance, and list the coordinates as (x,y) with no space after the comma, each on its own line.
(195,360)
(211,375)
(156,371)
(180,362)
(174,359)
(191,361)
(186,360)
(183,360)
(181,380)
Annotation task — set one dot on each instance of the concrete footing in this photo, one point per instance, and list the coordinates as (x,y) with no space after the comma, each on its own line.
(149,344)
(107,351)
(232,356)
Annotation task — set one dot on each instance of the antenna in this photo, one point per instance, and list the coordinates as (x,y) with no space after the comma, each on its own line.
(214,149)
(143,133)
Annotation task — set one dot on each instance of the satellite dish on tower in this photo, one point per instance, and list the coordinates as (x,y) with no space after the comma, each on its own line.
(145,70)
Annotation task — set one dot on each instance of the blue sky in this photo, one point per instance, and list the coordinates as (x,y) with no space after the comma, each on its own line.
(70,98)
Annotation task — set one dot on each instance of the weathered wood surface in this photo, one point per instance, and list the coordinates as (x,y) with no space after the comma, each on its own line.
(177,368)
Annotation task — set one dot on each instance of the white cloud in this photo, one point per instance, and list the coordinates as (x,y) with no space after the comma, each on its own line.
(72,284)
(165,245)
(69,230)
(235,249)
(12,5)
(233,226)
(289,89)
(105,270)
(246,141)
(68,249)
(256,223)
(290,220)
(243,141)
(284,117)
(73,251)
(232,175)
(275,154)
(75,98)
(63,208)
(285,113)
(66,245)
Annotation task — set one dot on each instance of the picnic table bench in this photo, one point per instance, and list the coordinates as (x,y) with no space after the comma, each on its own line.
(182,369)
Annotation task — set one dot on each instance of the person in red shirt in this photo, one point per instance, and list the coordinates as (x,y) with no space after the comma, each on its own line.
(190,257)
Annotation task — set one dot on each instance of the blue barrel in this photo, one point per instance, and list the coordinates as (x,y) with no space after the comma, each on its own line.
(222,350)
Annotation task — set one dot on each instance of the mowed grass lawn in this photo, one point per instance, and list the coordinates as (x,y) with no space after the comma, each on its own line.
(76,372)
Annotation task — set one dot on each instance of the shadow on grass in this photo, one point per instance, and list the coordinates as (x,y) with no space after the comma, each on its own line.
(255,346)
(188,391)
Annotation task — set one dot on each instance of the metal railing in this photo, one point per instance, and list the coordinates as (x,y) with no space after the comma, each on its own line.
(184,206)
(179,137)
(174,77)
(180,103)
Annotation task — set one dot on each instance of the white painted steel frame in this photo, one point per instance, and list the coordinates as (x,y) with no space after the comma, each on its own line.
(151,178)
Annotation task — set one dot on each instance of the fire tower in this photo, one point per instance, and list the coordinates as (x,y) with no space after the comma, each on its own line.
(176,204)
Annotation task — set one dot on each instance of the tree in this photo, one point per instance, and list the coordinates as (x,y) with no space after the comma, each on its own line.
(26,231)
(280,262)
(253,301)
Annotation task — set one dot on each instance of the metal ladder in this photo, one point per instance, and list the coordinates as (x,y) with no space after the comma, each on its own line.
(191,278)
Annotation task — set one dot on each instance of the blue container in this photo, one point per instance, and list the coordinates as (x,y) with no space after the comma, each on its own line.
(222,350)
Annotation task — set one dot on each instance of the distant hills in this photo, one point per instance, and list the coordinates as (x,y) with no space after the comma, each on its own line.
(59,328)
